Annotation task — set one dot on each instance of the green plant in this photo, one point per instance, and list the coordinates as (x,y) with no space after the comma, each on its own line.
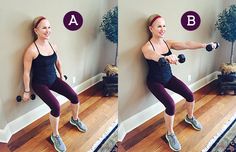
(109,26)
(226,24)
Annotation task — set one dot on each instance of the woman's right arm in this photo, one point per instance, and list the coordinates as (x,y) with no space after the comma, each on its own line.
(155,56)
(28,58)
(150,54)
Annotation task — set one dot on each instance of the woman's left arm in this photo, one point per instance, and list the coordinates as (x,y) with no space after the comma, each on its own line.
(176,45)
(58,63)
(59,67)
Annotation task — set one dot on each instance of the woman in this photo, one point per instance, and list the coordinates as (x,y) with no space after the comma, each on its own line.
(161,77)
(40,59)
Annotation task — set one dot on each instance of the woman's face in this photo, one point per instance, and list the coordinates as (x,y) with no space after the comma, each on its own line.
(158,28)
(43,30)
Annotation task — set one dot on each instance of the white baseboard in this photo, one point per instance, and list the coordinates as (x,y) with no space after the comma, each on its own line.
(148,113)
(121,131)
(33,115)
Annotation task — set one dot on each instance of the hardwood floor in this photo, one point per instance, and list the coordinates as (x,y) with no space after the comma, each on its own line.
(96,111)
(211,109)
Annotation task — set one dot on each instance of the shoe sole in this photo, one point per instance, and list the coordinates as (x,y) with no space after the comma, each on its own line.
(77,126)
(191,124)
(170,145)
(54,145)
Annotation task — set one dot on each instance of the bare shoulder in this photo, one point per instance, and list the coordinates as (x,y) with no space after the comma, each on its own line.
(148,51)
(31,51)
(146,47)
(170,43)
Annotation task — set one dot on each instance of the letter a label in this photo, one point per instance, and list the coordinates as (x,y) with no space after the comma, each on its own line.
(73,20)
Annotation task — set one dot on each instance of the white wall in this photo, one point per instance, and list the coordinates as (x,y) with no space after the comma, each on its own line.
(83,52)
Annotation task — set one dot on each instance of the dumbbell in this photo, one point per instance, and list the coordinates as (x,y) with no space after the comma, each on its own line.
(32,97)
(212,46)
(181,59)
(19,98)
(65,77)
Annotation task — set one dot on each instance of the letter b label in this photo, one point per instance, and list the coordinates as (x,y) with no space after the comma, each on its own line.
(190,20)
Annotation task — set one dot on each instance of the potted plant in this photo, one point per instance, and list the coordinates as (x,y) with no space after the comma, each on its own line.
(109,26)
(226,24)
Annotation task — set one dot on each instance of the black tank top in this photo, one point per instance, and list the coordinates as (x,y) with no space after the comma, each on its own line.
(43,68)
(159,73)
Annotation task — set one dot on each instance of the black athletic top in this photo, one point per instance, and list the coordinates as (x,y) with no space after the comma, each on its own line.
(43,68)
(159,73)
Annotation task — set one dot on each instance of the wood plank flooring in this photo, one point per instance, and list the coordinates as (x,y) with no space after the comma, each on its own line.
(96,111)
(211,109)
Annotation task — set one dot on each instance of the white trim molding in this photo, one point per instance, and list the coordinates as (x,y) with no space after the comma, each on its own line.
(33,115)
(148,113)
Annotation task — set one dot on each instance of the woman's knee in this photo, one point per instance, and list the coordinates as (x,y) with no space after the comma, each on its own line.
(170,109)
(55,111)
(74,98)
(189,97)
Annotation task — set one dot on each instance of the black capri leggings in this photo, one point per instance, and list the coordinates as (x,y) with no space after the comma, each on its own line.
(161,94)
(59,86)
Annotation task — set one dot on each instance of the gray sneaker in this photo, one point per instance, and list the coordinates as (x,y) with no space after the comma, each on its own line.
(173,142)
(194,122)
(79,124)
(58,143)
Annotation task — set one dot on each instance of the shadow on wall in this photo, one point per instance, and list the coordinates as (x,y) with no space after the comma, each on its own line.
(13,58)
(133,69)
(24,35)
(2,116)
(133,91)
(16,58)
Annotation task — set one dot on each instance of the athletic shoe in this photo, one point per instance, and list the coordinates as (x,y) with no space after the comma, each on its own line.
(194,122)
(173,142)
(58,143)
(79,124)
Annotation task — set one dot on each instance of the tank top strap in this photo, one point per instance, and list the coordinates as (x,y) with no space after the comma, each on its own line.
(152,45)
(37,47)
(166,45)
(51,46)
(169,52)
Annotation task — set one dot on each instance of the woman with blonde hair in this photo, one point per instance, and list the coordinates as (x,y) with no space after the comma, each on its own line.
(156,50)
(42,60)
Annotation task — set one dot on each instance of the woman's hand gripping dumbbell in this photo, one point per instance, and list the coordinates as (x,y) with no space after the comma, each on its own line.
(172,59)
(65,77)
(212,46)
(20,98)
(26,96)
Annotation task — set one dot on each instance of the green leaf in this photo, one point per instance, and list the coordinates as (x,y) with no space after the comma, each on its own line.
(109,25)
